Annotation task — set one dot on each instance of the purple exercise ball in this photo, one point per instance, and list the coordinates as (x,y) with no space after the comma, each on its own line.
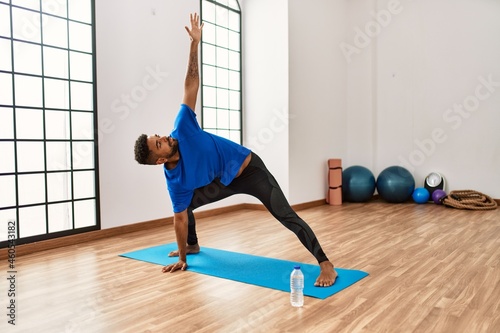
(437,196)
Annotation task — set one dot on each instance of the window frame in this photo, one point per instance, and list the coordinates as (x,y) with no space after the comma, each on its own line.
(70,111)
(218,130)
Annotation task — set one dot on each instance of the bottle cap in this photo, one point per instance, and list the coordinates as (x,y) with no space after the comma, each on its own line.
(296,267)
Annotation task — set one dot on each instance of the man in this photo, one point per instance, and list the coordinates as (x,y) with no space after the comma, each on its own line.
(201,168)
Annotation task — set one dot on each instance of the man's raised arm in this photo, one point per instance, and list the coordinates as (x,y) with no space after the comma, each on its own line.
(192,81)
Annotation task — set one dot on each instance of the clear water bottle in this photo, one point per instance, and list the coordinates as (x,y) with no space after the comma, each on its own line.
(297,287)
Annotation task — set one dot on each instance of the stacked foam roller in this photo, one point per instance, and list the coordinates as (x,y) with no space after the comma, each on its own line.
(334,195)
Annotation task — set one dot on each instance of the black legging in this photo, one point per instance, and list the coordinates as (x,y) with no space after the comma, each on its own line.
(257,181)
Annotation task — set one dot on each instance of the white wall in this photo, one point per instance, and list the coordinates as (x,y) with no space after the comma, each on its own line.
(317,95)
(426,61)
(135,39)
(377,107)
(265,84)
(359,57)
(142,52)
(294,90)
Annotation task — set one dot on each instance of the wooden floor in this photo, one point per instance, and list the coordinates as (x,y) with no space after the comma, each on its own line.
(432,269)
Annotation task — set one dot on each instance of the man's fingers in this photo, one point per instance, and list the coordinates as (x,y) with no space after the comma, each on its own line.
(169,268)
(195,21)
(194,18)
(189,32)
(175,267)
(174,253)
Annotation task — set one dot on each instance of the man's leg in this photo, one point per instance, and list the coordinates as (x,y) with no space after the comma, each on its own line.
(192,237)
(192,240)
(257,181)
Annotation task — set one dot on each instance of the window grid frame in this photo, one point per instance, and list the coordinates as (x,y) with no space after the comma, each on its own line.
(46,203)
(229,129)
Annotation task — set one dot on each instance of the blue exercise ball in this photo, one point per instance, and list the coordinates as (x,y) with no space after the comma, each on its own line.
(358,184)
(395,184)
(420,195)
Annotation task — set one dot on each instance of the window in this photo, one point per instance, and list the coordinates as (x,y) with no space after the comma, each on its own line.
(48,169)
(221,68)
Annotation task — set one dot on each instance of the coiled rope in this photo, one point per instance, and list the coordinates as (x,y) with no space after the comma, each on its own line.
(469,199)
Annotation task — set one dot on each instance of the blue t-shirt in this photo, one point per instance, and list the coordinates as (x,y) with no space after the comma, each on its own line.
(203,157)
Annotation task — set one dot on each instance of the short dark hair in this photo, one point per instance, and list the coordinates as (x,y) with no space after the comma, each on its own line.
(142,153)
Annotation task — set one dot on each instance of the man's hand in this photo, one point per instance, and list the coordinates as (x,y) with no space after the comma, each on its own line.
(195,31)
(182,265)
(192,81)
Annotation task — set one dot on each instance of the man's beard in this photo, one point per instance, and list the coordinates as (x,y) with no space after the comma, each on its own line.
(174,144)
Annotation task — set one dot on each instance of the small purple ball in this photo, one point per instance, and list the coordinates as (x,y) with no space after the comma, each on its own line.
(437,196)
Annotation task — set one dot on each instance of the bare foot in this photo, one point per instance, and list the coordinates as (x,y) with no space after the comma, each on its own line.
(327,276)
(190,249)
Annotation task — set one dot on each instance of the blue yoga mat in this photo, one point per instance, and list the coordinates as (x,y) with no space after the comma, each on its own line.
(259,271)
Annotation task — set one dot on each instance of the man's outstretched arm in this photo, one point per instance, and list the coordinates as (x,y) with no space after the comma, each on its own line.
(181,232)
(192,82)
